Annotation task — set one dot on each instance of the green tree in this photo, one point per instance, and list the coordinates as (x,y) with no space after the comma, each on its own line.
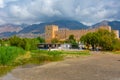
(71,39)
(25,43)
(106,39)
(1,42)
(55,40)
(116,45)
(33,43)
(27,46)
(41,40)
(15,41)
(91,39)
(101,38)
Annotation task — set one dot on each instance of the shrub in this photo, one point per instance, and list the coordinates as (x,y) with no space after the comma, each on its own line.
(9,54)
(116,45)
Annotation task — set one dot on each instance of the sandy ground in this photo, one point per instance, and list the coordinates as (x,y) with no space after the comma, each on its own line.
(95,67)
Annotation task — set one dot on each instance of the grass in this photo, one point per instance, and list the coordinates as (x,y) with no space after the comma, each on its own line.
(40,56)
(76,52)
(5,69)
(86,52)
(116,52)
(7,57)
(10,57)
(9,54)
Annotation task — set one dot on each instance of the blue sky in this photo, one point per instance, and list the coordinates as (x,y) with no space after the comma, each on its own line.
(37,11)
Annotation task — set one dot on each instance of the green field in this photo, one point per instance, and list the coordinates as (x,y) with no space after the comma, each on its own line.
(11,57)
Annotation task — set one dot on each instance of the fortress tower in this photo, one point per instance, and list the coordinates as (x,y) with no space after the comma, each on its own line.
(105,28)
(116,32)
(50,32)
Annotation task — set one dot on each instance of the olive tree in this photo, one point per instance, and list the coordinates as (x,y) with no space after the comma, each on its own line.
(102,38)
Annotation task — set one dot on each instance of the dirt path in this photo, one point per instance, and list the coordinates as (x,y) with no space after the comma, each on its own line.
(95,67)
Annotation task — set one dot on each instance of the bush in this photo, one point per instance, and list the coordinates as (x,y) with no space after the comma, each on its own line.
(25,43)
(9,54)
(102,38)
(116,45)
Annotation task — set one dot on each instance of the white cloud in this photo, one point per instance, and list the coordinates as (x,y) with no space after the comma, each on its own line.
(2,21)
(19,12)
(32,11)
(2,4)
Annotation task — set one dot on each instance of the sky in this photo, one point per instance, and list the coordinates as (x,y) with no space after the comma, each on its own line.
(38,11)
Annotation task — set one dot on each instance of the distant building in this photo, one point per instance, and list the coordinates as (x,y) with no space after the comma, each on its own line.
(53,31)
(50,32)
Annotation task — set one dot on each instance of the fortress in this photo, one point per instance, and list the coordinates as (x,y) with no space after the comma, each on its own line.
(53,31)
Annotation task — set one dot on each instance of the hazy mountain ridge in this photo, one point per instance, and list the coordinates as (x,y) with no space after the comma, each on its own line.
(39,28)
(12,27)
(115,25)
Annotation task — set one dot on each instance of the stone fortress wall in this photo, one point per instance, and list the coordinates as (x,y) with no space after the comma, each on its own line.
(53,31)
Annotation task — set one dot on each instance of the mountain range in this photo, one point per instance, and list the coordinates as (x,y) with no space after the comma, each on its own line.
(39,28)
(8,30)
(115,25)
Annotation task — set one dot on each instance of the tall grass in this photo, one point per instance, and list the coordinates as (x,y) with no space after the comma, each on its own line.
(5,69)
(14,56)
(9,54)
(40,56)
(116,52)
(86,52)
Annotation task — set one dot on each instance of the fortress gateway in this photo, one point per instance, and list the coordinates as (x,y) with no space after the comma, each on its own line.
(52,31)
